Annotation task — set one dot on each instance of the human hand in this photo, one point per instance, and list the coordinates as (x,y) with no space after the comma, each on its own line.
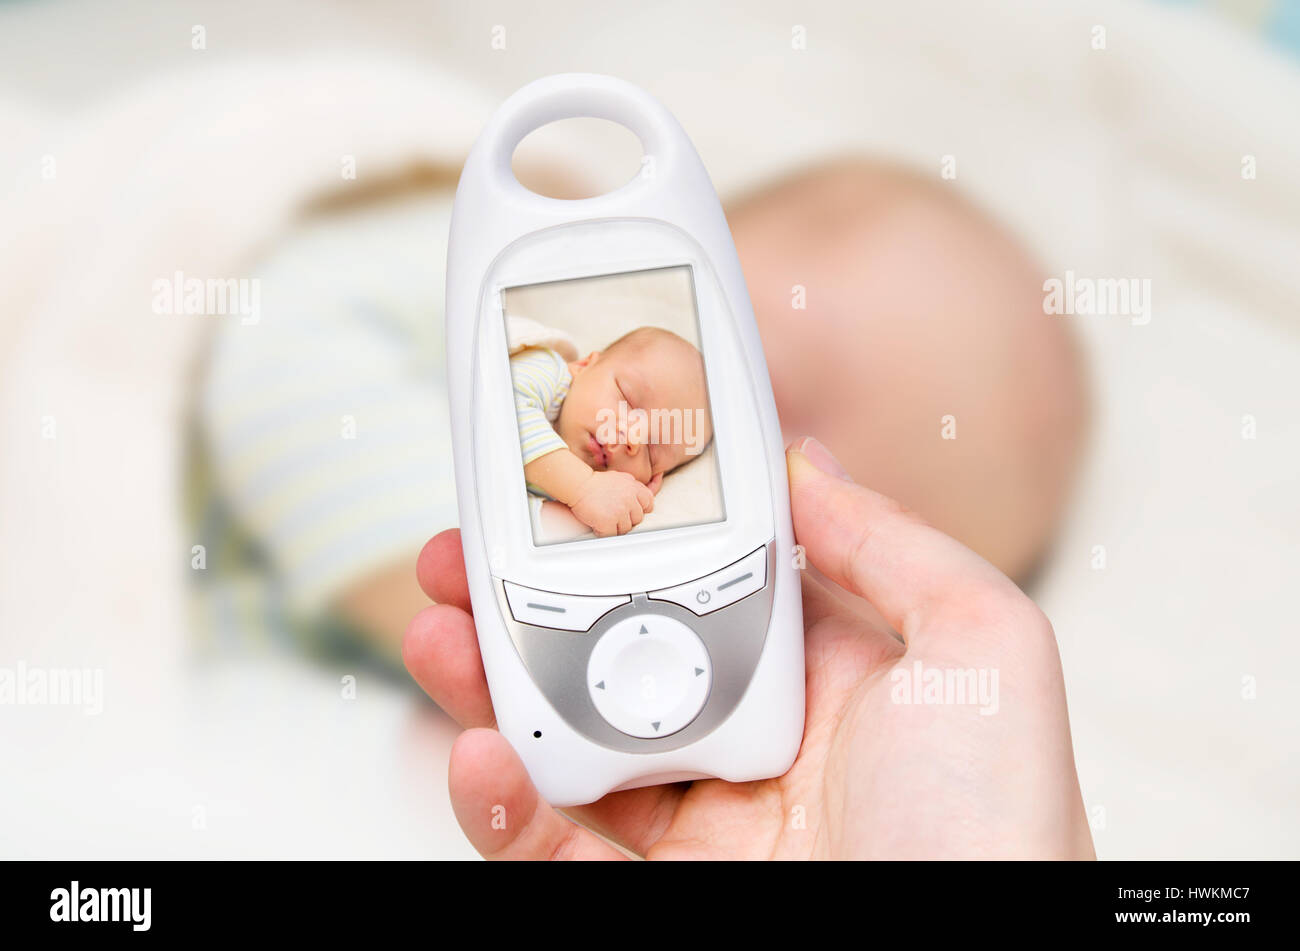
(612,503)
(875,777)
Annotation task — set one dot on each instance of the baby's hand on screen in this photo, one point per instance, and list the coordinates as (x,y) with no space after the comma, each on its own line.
(612,503)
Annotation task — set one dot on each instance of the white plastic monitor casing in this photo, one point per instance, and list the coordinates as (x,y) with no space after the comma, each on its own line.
(503,235)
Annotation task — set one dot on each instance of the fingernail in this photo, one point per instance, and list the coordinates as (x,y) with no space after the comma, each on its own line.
(821,457)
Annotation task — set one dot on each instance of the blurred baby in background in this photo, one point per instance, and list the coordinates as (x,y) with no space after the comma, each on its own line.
(321,459)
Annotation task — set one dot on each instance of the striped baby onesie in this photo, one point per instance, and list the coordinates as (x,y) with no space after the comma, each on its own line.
(541,382)
(321,450)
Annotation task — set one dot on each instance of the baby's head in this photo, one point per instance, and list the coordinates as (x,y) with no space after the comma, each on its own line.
(919,309)
(639,406)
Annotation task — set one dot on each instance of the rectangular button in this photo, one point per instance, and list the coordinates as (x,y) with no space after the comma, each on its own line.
(566,612)
(721,588)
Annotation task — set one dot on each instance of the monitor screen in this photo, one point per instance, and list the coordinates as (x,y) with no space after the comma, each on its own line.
(612,405)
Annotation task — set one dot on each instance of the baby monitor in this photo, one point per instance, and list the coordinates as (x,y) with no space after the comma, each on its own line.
(619,466)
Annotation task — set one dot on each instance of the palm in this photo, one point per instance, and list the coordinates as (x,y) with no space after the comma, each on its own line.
(878,778)
(786,817)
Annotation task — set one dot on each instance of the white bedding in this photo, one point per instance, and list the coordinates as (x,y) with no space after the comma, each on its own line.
(1121,162)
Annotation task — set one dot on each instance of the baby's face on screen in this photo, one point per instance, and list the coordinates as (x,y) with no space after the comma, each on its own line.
(640,406)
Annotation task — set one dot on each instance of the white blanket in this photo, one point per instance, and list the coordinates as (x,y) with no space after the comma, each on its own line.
(93,392)
(1119,162)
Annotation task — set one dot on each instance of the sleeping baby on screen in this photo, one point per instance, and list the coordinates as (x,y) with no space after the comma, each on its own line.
(599,434)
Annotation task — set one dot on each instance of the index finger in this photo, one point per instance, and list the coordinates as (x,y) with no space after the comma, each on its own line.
(440,569)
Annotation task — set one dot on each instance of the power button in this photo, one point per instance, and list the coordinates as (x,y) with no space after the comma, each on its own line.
(716,591)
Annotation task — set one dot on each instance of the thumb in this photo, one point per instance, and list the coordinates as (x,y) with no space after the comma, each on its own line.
(500,810)
(874,547)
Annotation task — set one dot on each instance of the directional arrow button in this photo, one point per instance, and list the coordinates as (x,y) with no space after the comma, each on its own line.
(649,676)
